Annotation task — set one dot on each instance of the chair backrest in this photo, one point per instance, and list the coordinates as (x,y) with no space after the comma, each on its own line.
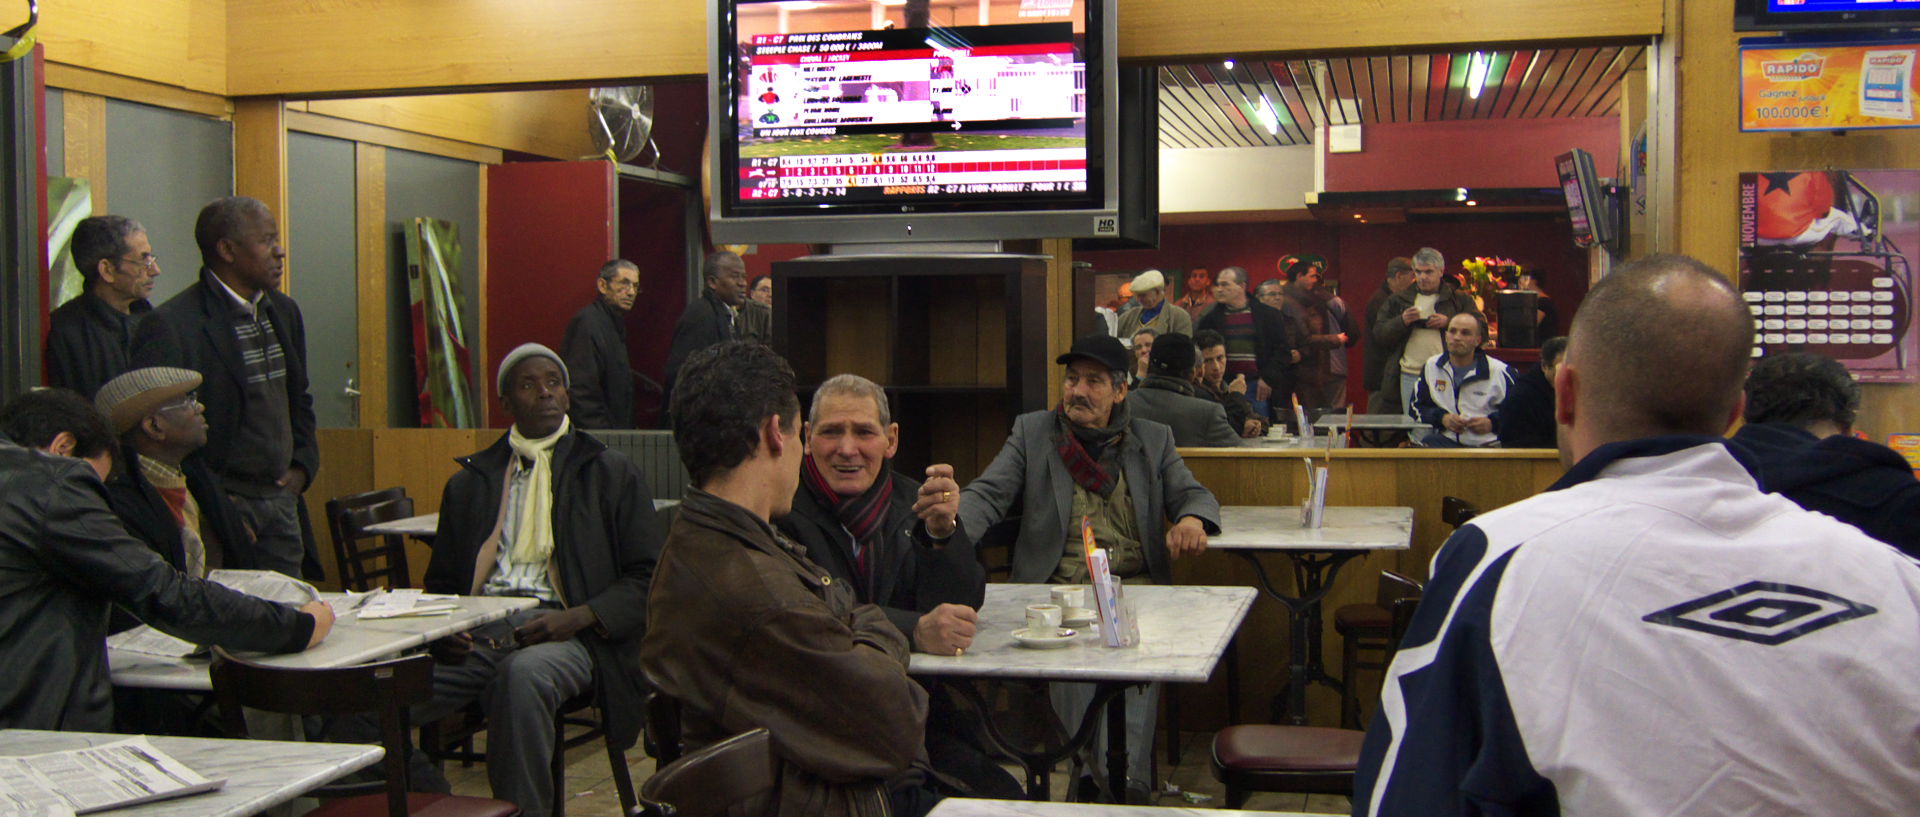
(737,777)
(386,687)
(339,505)
(370,560)
(663,728)
(1456,511)
(1402,611)
(994,548)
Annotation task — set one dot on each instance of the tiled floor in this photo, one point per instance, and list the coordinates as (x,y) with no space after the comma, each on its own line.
(591,793)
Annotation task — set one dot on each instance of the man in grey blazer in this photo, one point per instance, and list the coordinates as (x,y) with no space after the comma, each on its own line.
(1090,458)
(1168,396)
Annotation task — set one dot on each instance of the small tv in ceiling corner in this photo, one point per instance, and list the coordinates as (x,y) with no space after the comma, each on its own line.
(1825,15)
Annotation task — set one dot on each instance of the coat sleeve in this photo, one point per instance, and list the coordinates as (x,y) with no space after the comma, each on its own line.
(1178,321)
(306,442)
(64,361)
(1444,741)
(1389,330)
(1220,433)
(946,574)
(693,333)
(1423,407)
(84,544)
(991,497)
(1181,494)
(1276,366)
(451,538)
(856,717)
(156,342)
(635,535)
(585,375)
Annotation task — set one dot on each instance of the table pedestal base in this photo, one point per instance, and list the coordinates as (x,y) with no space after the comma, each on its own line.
(1038,764)
(1313,573)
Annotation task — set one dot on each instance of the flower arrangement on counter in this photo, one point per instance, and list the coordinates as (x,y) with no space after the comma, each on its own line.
(1485,278)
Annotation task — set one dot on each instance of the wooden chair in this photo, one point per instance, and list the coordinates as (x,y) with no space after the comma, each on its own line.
(737,777)
(1456,511)
(663,728)
(371,560)
(994,548)
(1367,628)
(336,511)
(452,739)
(386,687)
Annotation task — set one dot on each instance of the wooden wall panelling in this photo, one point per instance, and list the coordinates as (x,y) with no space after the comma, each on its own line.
(858,338)
(346,467)
(546,123)
(1713,153)
(477,340)
(390,137)
(260,162)
(955,332)
(370,236)
(171,42)
(115,86)
(362,47)
(1416,479)
(84,137)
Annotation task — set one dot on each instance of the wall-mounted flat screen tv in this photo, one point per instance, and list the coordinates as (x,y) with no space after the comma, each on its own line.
(848,121)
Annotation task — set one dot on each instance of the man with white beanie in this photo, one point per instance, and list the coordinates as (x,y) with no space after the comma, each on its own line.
(1151,311)
(551,513)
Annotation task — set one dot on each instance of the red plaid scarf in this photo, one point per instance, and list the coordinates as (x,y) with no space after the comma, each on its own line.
(1096,474)
(861,515)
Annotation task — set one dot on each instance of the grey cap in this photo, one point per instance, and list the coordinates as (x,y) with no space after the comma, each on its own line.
(131,397)
(524,351)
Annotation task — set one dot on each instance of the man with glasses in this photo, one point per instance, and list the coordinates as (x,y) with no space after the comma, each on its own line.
(88,338)
(168,500)
(595,348)
(249,344)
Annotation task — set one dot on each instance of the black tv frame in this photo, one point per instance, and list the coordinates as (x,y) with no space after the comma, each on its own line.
(1752,15)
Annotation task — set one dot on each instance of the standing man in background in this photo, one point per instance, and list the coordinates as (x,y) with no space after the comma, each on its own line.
(249,344)
(1382,397)
(89,337)
(595,348)
(1411,324)
(1259,344)
(1151,309)
(708,321)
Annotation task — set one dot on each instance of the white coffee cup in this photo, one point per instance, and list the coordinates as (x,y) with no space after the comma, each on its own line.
(1070,596)
(1043,619)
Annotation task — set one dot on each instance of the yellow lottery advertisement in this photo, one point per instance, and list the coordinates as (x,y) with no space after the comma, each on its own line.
(1827,87)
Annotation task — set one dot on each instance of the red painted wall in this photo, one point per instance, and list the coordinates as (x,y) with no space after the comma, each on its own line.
(1471,153)
(1357,256)
(549,227)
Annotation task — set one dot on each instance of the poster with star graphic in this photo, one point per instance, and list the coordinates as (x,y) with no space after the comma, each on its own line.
(1826,266)
(1787,86)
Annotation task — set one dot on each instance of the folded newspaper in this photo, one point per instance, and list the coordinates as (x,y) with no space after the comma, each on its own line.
(264,584)
(95,778)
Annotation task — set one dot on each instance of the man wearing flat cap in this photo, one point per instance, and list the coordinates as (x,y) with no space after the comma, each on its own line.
(1151,310)
(1089,457)
(546,512)
(172,502)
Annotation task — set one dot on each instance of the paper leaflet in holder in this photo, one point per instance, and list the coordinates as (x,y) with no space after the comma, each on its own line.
(1313,510)
(1118,627)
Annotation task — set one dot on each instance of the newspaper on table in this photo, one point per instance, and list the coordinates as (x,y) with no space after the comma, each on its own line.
(80,781)
(264,584)
(405,602)
(1118,628)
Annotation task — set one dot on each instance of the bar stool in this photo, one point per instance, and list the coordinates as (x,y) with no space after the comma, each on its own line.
(1285,759)
(1367,627)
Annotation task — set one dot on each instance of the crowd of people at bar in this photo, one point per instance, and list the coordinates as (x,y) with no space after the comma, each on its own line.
(1686,623)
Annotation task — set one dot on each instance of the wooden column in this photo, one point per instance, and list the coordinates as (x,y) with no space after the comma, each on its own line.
(85,139)
(1060,307)
(260,162)
(370,236)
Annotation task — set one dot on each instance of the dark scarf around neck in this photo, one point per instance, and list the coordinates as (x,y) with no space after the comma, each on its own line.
(861,515)
(1092,455)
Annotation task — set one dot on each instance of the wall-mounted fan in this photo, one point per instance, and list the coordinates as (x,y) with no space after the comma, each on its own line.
(621,121)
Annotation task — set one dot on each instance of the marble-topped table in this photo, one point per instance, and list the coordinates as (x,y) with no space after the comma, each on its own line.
(1377,429)
(351,641)
(970,807)
(1317,555)
(260,774)
(1183,632)
(426,525)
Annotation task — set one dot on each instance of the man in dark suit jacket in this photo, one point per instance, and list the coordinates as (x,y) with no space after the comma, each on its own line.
(595,348)
(88,337)
(897,542)
(1258,340)
(169,500)
(249,344)
(708,321)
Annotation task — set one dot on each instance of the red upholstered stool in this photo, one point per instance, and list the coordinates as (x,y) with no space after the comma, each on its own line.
(1285,759)
(418,805)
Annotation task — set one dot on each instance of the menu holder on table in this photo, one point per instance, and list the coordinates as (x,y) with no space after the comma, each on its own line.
(1118,627)
(1300,419)
(96,778)
(1313,511)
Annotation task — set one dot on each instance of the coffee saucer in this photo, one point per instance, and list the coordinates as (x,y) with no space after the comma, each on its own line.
(1078,617)
(1044,641)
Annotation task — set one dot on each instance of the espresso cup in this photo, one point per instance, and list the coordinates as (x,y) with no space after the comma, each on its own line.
(1070,596)
(1043,619)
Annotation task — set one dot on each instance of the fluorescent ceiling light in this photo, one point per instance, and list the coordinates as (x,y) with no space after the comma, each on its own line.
(1268,117)
(1228,64)
(1476,75)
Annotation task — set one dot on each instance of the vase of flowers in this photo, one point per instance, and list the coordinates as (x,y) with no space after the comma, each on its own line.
(1485,278)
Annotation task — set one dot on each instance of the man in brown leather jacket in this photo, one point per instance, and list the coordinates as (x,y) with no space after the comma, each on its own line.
(747,632)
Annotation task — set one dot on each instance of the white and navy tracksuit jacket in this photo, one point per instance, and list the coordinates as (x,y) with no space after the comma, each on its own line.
(1480,395)
(1654,636)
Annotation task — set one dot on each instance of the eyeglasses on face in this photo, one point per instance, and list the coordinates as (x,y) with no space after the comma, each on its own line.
(186,402)
(150,261)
